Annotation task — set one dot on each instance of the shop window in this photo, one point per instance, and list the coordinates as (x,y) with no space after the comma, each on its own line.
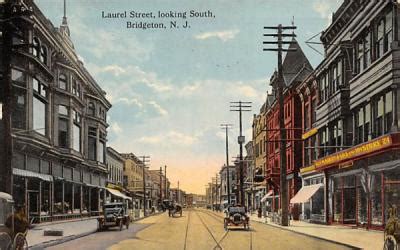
(77,199)
(376,200)
(337,200)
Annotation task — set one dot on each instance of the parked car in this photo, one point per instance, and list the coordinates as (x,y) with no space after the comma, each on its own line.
(115,215)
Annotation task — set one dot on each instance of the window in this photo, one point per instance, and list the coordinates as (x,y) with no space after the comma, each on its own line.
(19,109)
(388,111)
(18,77)
(313,111)
(379,117)
(39,107)
(91,109)
(306,121)
(360,56)
(63,132)
(43,55)
(62,82)
(62,110)
(322,88)
(367,123)
(367,50)
(76,131)
(360,125)
(388,30)
(36,47)
(379,44)
(92,143)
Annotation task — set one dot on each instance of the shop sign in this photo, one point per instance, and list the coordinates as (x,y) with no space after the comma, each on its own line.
(307,169)
(360,150)
(309,133)
(346,164)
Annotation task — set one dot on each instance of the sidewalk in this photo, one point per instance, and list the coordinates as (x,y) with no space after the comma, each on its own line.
(72,230)
(361,238)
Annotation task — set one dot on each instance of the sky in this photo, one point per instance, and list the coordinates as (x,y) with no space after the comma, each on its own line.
(170,88)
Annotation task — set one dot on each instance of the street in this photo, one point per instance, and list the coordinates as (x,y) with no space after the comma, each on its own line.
(196,229)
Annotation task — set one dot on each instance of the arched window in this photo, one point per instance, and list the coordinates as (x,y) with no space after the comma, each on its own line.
(36,47)
(43,54)
(92,109)
(62,82)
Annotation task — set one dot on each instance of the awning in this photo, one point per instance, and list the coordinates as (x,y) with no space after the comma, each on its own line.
(27,173)
(118,193)
(305,193)
(264,198)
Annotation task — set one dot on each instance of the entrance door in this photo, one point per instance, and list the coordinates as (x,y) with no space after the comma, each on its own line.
(33,204)
(349,205)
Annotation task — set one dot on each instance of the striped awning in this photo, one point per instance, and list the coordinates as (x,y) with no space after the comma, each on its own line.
(118,194)
(27,173)
(305,193)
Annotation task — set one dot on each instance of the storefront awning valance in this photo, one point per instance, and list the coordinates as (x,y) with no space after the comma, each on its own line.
(26,173)
(118,193)
(265,197)
(305,193)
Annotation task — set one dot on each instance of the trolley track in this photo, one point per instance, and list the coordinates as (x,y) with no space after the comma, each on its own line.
(187,229)
(226,233)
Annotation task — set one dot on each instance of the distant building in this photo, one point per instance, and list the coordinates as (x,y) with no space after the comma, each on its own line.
(224,185)
(133,178)
(115,166)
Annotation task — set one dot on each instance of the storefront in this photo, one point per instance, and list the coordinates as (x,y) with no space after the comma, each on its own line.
(310,198)
(362,183)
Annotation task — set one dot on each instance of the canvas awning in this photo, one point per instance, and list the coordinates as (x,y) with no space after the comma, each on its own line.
(265,197)
(118,193)
(27,173)
(305,193)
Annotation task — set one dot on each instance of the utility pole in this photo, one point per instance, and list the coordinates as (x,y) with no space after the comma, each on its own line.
(226,127)
(160,185)
(145,159)
(241,107)
(283,184)
(216,191)
(166,187)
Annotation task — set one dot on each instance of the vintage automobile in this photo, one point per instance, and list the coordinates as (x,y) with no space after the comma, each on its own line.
(114,215)
(10,224)
(175,210)
(236,216)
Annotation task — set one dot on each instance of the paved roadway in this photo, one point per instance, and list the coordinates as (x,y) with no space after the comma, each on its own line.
(196,229)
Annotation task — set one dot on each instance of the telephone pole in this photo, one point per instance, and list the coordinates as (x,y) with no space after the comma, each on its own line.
(160,185)
(241,107)
(226,127)
(145,159)
(166,187)
(283,184)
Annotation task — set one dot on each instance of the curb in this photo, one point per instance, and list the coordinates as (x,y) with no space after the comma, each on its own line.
(308,235)
(55,242)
